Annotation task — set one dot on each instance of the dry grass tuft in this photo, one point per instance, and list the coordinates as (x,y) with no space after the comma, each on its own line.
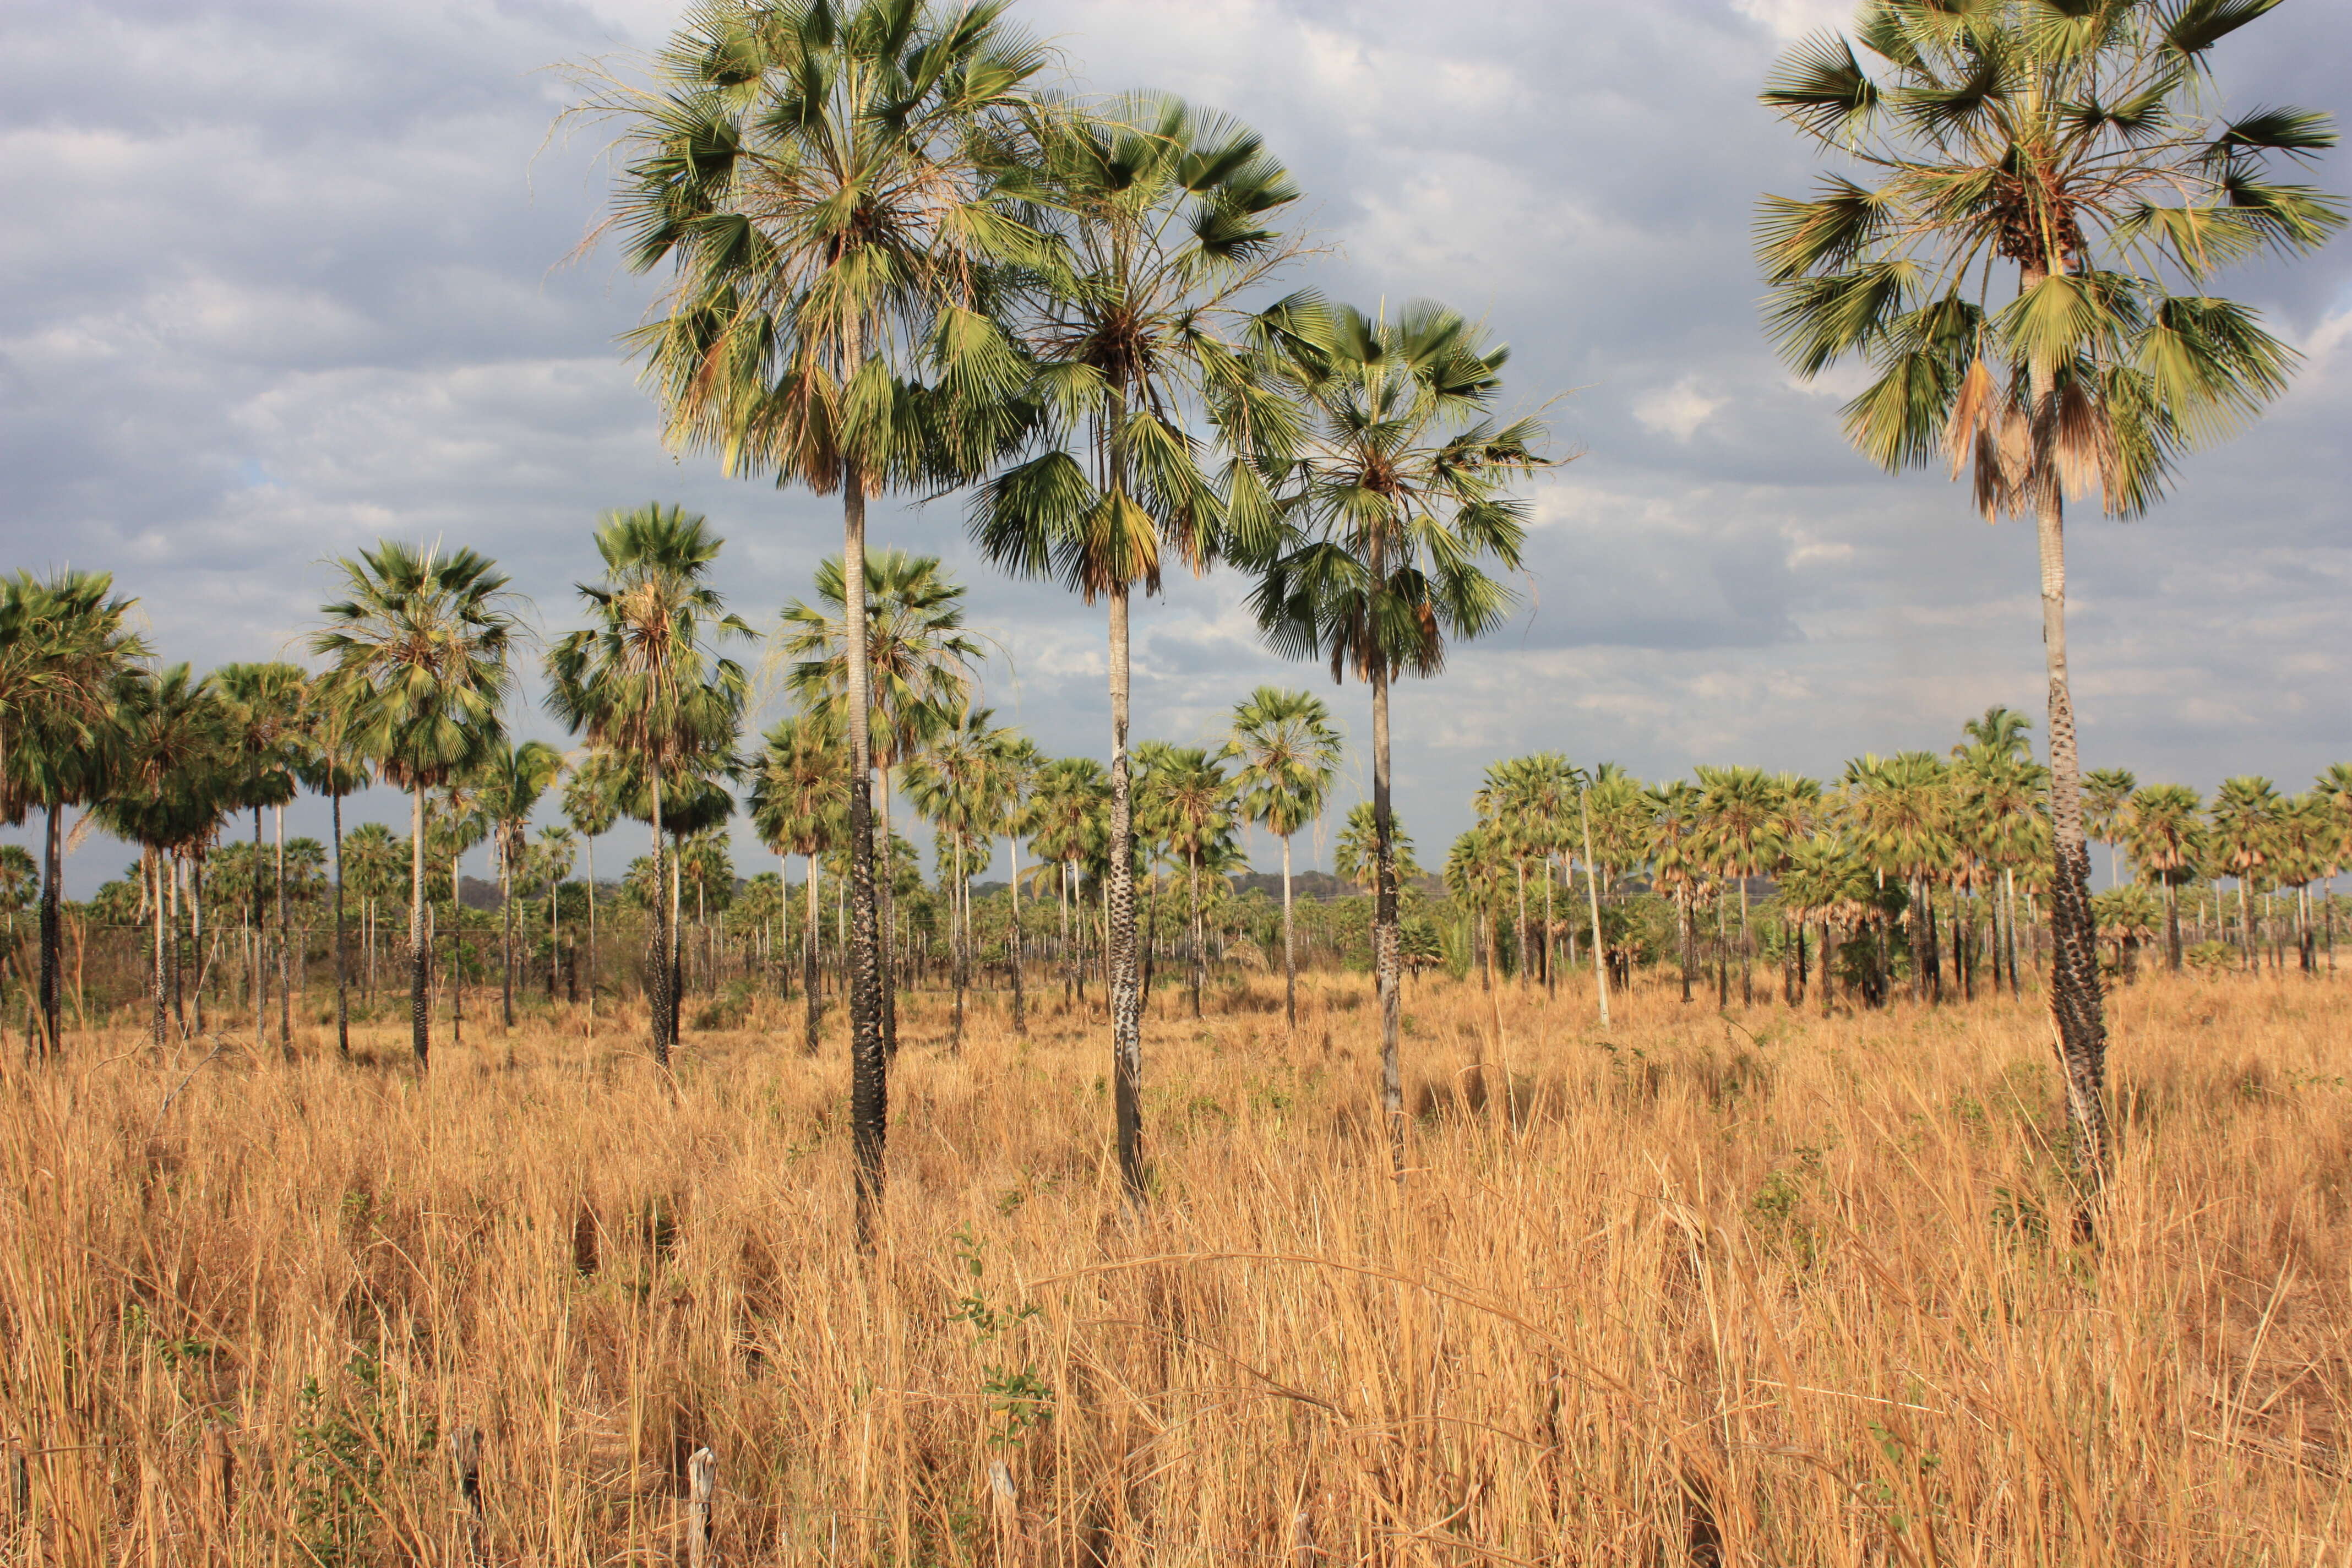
(1758,1289)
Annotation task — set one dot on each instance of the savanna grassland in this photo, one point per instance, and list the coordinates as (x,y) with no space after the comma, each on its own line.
(1761,1288)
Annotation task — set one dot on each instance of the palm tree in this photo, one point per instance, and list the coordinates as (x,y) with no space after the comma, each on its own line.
(645,679)
(2244,827)
(2335,786)
(1678,861)
(591,804)
(953,785)
(800,797)
(1356,852)
(64,653)
(1193,803)
(823,180)
(2106,796)
(512,780)
(1158,220)
(1068,818)
(424,642)
(169,794)
(2066,145)
(2166,834)
(370,858)
(1016,764)
(1742,829)
(327,764)
(1898,812)
(1289,751)
(1999,791)
(917,678)
(268,705)
(550,863)
(1825,880)
(1391,499)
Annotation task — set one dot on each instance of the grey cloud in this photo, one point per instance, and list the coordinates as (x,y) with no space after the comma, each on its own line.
(298,278)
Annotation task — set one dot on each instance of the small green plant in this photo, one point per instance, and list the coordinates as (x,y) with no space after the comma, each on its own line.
(1017,1398)
(351,1441)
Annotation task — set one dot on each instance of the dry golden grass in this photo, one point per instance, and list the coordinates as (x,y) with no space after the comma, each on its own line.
(1768,1290)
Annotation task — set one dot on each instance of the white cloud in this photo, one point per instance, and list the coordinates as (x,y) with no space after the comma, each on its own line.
(1678,410)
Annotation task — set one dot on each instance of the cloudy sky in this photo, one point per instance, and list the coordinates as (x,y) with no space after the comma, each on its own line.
(283,277)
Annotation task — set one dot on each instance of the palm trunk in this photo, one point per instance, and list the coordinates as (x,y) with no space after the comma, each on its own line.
(2173,954)
(1384,921)
(285,955)
(1289,953)
(159,868)
(812,1001)
(1012,940)
(343,963)
(590,847)
(2074,996)
(52,933)
(1126,996)
(260,948)
(1200,955)
(506,930)
(1552,987)
(420,959)
(869,1102)
(676,940)
(1592,892)
(196,937)
(1828,972)
(886,913)
(1520,870)
(660,1001)
(959,941)
(457,948)
(1747,969)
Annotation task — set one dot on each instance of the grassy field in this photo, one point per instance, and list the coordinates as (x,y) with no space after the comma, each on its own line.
(1763,1289)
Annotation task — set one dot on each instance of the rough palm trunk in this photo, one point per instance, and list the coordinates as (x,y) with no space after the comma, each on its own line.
(1552,987)
(343,963)
(52,933)
(2172,953)
(1125,994)
(1384,921)
(591,848)
(1828,972)
(869,1102)
(260,946)
(196,938)
(886,915)
(1289,952)
(812,1001)
(1747,966)
(420,1012)
(2074,997)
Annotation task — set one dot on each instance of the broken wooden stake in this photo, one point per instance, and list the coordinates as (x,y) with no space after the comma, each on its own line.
(702,1481)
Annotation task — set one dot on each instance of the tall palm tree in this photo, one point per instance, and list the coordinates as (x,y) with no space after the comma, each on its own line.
(551,862)
(170,793)
(1067,822)
(268,705)
(1017,762)
(2064,145)
(1678,860)
(1159,221)
(65,650)
(645,679)
(513,778)
(328,764)
(371,859)
(1743,833)
(1356,852)
(1898,812)
(1289,752)
(1998,800)
(800,800)
(2166,832)
(1193,803)
(954,784)
(424,642)
(591,804)
(2244,829)
(1392,498)
(2106,797)
(824,180)
(917,678)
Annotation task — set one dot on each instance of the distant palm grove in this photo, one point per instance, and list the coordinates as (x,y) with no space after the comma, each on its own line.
(892,262)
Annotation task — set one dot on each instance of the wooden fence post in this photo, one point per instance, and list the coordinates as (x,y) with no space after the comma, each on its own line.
(702,1481)
(466,1459)
(1012,1541)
